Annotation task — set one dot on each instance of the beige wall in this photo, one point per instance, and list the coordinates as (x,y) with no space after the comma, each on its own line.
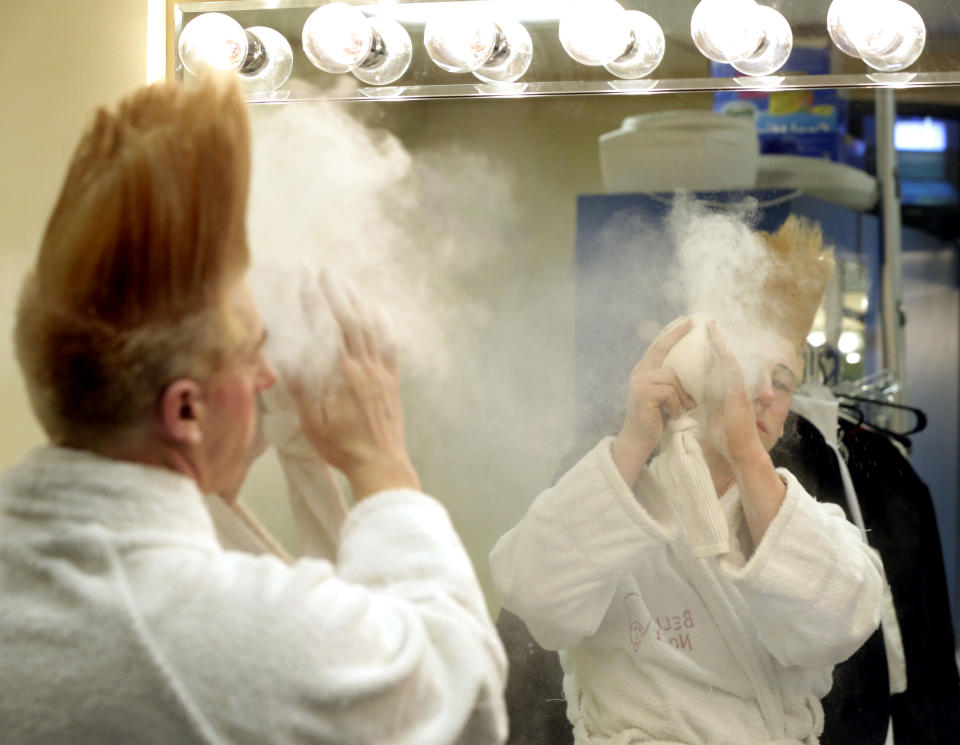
(58,61)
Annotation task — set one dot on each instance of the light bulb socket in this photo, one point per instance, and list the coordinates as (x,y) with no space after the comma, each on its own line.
(500,50)
(377,53)
(644,50)
(390,53)
(256,58)
(510,54)
(271,65)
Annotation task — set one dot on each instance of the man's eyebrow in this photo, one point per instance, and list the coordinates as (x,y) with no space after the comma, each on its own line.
(781,366)
(262,340)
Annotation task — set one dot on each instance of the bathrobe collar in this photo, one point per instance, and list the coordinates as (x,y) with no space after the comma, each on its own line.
(80,486)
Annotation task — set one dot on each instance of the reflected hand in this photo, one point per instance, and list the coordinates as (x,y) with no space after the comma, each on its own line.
(358,427)
(655,394)
(732,419)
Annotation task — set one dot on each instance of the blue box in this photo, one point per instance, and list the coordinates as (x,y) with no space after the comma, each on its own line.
(794,122)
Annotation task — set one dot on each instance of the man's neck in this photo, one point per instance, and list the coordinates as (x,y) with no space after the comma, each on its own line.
(149,452)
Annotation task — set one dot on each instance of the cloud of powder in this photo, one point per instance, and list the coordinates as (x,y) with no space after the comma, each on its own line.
(330,192)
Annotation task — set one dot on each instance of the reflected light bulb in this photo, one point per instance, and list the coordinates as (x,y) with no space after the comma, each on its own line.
(511,54)
(889,35)
(460,41)
(212,41)
(816,338)
(848,342)
(853,358)
(907,45)
(494,49)
(390,53)
(594,32)
(727,30)
(644,49)
(337,37)
(273,70)
(774,49)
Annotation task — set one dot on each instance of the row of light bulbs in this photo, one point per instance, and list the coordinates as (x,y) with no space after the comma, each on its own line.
(888,35)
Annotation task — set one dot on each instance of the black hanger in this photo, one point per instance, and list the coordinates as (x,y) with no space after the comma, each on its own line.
(921,422)
(861,422)
(854,410)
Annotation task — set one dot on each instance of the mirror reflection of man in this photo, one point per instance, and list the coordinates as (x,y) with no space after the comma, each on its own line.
(123,620)
(696,593)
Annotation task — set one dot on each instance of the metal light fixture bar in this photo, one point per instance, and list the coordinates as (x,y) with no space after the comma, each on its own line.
(541,47)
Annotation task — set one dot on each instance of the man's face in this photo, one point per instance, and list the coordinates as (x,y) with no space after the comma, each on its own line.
(773,393)
(231,399)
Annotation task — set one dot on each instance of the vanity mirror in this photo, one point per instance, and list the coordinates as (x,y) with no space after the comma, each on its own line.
(487,218)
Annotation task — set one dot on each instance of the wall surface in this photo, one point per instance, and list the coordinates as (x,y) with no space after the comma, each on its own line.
(58,62)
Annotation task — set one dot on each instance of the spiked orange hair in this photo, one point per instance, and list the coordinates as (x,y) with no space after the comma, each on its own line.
(145,240)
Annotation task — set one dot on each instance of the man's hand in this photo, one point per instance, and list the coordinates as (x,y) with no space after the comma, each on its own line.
(733,421)
(655,394)
(358,426)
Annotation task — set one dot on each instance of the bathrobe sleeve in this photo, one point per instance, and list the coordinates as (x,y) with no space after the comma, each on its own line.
(559,566)
(813,586)
(393,644)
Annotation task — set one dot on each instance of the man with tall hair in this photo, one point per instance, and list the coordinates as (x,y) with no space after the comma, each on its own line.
(122,619)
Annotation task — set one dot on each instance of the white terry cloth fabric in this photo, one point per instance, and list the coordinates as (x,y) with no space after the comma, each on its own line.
(662,646)
(317,503)
(688,477)
(124,621)
(822,410)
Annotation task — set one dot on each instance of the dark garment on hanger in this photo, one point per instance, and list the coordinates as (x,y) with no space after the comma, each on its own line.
(902,525)
(857,709)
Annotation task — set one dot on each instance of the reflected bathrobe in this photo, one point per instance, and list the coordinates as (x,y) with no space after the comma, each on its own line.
(660,646)
(123,620)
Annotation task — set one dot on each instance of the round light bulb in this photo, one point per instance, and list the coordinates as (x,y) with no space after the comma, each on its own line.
(460,41)
(843,17)
(644,50)
(853,358)
(861,24)
(775,48)
(594,32)
(390,55)
(212,41)
(511,55)
(907,44)
(727,30)
(848,342)
(337,37)
(888,35)
(278,64)
(816,338)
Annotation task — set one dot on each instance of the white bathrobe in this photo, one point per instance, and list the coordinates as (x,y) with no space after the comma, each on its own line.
(660,646)
(122,620)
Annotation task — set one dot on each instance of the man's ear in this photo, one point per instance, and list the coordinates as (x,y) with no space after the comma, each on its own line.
(181,411)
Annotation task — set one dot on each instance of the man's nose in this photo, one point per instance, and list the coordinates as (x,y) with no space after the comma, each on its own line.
(765,392)
(268,375)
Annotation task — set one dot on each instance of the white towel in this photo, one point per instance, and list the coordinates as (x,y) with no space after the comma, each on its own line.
(696,503)
(695,500)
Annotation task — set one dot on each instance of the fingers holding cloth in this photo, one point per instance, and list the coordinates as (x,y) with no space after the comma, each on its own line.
(355,421)
(731,419)
(655,397)
(302,346)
